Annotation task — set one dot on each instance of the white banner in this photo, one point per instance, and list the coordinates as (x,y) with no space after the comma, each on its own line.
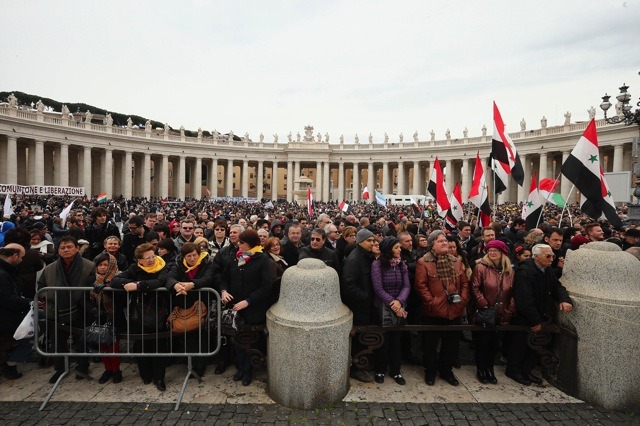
(41,190)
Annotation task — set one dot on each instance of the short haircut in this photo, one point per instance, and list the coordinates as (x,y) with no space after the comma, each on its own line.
(270,243)
(220,223)
(112,237)
(189,247)
(9,251)
(150,216)
(537,249)
(142,249)
(588,227)
(188,220)
(462,224)
(554,231)
(99,211)
(136,220)
(294,225)
(434,236)
(151,235)
(320,232)
(487,228)
(68,239)
(235,225)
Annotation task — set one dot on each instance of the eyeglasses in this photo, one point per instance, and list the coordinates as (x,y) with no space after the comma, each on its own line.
(549,256)
(219,229)
(240,242)
(187,228)
(316,239)
(176,226)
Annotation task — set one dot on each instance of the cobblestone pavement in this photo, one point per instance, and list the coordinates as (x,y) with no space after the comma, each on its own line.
(61,413)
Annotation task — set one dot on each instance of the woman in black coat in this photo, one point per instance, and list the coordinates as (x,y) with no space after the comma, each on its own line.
(192,270)
(248,289)
(148,273)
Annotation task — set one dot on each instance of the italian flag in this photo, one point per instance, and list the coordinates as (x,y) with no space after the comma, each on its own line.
(102,197)
(547,188)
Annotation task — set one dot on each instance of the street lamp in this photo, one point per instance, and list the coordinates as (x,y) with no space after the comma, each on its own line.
(628,117)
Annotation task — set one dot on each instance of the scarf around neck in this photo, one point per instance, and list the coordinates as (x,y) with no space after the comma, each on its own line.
(203,255)
(112,271)
(245,256)
(157,266)
(445,269)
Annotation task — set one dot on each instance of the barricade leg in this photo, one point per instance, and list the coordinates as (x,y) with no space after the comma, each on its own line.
(190,372)
(55,385)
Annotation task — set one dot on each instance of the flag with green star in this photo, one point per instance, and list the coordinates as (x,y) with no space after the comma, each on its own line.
(532,208)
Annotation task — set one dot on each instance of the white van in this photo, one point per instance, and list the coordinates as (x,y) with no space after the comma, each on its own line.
(407,200)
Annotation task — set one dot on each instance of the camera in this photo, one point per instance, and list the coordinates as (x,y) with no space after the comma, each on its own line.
(453,298)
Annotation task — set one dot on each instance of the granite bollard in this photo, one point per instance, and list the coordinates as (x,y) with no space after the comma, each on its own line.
(309,358)
(604,283)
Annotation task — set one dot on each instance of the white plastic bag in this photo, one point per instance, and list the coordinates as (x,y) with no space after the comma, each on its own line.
(26,329)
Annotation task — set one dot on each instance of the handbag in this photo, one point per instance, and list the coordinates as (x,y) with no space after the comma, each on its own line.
(183,320)
(96,334)
(26,329)
(489,316)
(389,318)
(231,322)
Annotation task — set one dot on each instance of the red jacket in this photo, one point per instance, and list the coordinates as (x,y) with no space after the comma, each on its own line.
(431,291)
(485,284)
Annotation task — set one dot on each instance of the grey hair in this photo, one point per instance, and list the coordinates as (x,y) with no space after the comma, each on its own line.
(434,236)
(262,231)
(235,225)
(537,249)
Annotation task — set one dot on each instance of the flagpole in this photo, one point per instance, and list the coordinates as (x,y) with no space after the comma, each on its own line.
(495,198)
(566,203)
(546,199)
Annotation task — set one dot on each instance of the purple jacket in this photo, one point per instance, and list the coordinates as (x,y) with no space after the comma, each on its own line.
(390,284)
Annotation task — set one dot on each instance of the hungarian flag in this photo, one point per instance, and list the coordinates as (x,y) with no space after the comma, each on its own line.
(365,193)
(437,189)
(309,202)
(344,206)
(607,209)
(478,194)
(454,214)
(548,190)
(582,167)
(532,208)
(102,197)
(505,158)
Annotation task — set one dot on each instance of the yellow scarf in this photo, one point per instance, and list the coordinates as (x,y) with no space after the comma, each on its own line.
(157,266)
(200,259)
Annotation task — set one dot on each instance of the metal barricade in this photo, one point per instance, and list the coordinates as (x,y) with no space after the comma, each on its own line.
(80,323)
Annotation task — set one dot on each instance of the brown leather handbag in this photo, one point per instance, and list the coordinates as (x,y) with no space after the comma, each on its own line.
(184,320)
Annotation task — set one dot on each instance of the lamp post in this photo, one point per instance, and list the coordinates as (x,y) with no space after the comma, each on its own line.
(625,115)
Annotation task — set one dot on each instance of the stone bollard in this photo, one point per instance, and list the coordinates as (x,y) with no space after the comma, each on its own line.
(309,358)
(604,283)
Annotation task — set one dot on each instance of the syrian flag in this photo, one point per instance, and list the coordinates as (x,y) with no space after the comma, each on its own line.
(344,206)
(607,209)
(7,211)
(417,210)
(381,199)
(454,214)
(365,193)
(437,189)
(505,160)
(102,198)
(309,202)
(164,201)
(532,208)
(547,188)
(478,194)
(65,213)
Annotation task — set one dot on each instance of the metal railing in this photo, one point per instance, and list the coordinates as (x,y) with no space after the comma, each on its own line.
(77,321)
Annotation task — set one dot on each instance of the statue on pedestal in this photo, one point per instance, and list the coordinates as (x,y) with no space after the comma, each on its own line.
(357,140)
(341,139)
(465,132)
(592,113)
(326,137)
(261,137)
(308,134)
(199,132)
(65,111)
(108,120)
(415,136)
(447,134)
(88,117)
(216,135)
(166,128)
(484,130)
(567,118)
(275,138)
(523,125)
(386,137)
(230,136)
(433,135)
(246,137)
(298,137)
(319,138)
(543,122)
(401,137)
(370,138)
(129,123)
(13,101)
(40,106)
(289,137)
(181,130)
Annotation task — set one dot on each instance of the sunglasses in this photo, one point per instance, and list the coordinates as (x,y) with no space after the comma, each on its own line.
(316,239)
(187,228)
(549,256)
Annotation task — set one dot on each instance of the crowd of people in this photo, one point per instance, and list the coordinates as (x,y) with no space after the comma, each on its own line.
(396,265)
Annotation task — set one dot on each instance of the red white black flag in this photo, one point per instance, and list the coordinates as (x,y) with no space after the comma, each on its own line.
(437,189)
(504,156)
(478,194)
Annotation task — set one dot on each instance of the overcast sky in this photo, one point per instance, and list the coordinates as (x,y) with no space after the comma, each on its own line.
(345,67)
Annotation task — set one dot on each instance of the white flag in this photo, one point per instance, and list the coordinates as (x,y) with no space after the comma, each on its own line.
(66,212)
(8,210)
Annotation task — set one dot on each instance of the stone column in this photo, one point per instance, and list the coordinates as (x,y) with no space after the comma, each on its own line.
(260,180)
(385,177)
(542,173)
(326,184)
(63,169)
(309,314)
(107,184)
(196,191)
(127,184)
(245,178)
(179,177)
(212,180)
(340,194)
(467,178)
(146,176)
(39,163)
(11,163)
(618,151)
(290,179)
(296,171)
(228,185)
(317,193)
(449,179)
(164,177)
(371,182)
(21,163)
(274,181)
(417,172)
(401,188)
(356,182)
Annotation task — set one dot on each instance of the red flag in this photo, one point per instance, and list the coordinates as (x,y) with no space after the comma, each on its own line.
(437,189)
(478,194)
(454,214)
(505,158)
(365,193)
(309,202)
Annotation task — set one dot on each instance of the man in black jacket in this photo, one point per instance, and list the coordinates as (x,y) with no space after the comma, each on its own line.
(357,291)
(536,290)
(318,250)
(13,307)
(98,231)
